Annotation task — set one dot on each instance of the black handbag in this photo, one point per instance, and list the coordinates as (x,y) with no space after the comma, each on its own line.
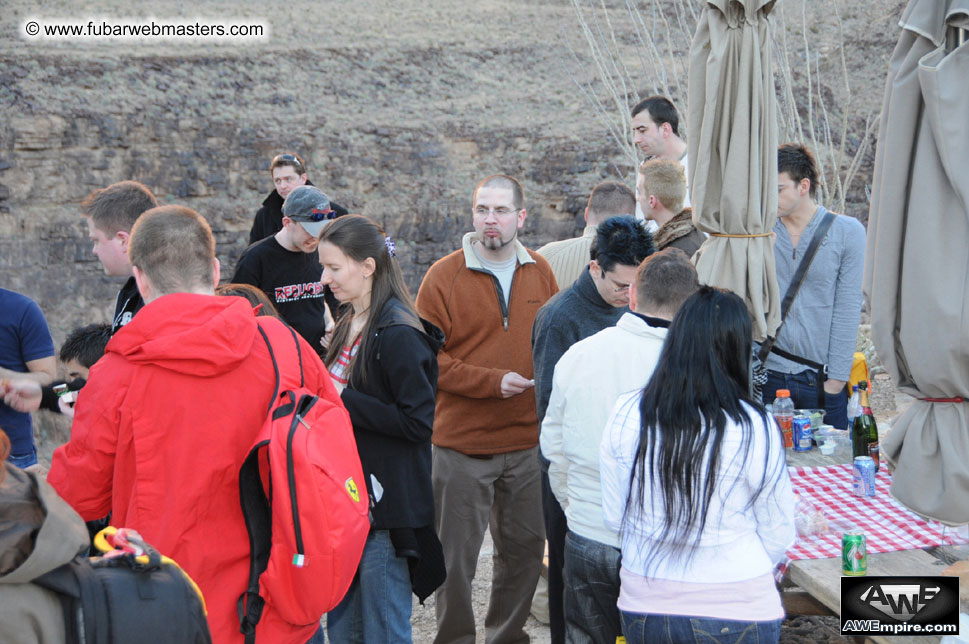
(127,598)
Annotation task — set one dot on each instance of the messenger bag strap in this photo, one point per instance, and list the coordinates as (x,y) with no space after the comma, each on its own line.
(798,280)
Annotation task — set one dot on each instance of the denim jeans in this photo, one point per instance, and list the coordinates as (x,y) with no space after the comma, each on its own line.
(680,629)
(591,591)
(804,393)
(555,530)
(23,461)
(318,637)
(377,607)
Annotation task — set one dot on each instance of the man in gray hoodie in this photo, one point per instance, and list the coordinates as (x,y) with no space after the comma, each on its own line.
(38,532)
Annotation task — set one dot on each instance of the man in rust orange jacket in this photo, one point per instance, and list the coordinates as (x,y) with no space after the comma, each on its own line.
(485,462)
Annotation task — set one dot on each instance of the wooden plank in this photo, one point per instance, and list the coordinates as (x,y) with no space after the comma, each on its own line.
(948,555)
(799,602)
(822,579)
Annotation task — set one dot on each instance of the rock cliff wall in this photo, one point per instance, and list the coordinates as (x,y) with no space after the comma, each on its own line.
(399,108)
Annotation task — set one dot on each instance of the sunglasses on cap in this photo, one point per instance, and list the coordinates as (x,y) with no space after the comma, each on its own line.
(319,215)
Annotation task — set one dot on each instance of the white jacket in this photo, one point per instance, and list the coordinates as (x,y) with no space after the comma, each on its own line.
(588,379)
(738,542)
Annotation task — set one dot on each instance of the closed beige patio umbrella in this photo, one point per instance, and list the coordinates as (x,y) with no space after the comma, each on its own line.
(732,122)
(917,260)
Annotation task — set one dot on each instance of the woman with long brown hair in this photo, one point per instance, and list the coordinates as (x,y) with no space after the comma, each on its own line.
(383,360)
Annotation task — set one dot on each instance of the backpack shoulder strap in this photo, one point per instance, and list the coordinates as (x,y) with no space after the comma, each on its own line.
(272,356)
(82,600)
(798,280)
(63,582)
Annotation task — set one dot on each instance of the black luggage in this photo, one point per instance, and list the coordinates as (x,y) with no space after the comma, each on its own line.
(130,598)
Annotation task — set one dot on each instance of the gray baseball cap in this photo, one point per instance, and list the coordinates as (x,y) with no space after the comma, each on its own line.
(310,207)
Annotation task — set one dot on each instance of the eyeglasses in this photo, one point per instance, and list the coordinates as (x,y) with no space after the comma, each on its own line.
(501,211)
(617,287)
(290,159)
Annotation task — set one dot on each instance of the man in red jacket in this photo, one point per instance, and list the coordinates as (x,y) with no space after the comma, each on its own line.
(170,412)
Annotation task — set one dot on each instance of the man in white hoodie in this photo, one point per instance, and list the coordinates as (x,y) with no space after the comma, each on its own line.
(587,380)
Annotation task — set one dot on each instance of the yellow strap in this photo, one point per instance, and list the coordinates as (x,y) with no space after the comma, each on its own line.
(101,543)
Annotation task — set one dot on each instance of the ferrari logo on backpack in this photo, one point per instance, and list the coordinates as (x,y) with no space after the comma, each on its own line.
(352,490)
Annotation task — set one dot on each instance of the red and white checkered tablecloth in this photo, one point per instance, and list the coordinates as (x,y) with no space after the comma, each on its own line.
(888,525)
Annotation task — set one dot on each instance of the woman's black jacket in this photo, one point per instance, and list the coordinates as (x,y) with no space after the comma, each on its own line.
(393,415)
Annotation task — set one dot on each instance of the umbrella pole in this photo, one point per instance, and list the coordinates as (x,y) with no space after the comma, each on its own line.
(955,37)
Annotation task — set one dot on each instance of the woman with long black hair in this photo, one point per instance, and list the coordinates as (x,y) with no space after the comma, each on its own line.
(694,478)
(383,361)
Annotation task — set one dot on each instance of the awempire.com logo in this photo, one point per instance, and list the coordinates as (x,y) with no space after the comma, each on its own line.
(899,605)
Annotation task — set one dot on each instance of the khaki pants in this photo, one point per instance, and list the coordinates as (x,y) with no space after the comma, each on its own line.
(502,492)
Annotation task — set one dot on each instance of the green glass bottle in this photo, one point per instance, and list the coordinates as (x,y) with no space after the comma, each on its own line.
(864,430)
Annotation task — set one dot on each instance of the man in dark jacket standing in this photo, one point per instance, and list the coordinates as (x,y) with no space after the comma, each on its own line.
(288,172)
(111,213)
(595,301)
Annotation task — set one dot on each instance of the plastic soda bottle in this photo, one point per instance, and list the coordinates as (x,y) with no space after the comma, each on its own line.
(783,410)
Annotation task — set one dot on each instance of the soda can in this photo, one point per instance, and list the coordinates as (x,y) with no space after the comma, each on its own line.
(863,476)
(854,553)
(801,430)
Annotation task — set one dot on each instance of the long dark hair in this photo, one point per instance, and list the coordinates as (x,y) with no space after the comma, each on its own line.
(701,380)
(359,238)
(261,303)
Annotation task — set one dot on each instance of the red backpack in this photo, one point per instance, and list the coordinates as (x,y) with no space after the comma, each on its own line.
(305,504)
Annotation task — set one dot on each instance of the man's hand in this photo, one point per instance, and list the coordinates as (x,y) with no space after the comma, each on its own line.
(834,386)
(513,384)
(22,394)
(66,408)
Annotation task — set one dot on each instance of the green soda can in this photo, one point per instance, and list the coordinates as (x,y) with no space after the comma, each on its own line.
(854,553)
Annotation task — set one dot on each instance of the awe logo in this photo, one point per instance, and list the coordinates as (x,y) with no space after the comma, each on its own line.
(901,601)
(899,605)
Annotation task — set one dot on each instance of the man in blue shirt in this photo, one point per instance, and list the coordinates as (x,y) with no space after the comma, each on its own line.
(822,325)
(26,351)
